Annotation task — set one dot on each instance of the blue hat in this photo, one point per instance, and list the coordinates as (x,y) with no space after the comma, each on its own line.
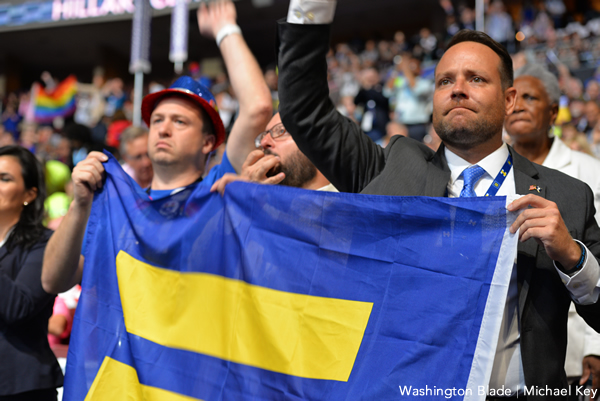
(194,91)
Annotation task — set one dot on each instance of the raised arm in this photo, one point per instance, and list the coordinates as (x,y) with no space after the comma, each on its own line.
(63,263)
(335,144)
(218,19)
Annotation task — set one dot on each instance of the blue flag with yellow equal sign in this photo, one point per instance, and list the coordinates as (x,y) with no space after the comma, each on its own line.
(275,293)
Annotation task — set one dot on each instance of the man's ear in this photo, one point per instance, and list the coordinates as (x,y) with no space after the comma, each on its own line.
(209,143)
(510,100)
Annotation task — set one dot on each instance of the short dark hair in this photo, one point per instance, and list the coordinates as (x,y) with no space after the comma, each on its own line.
(29,228)
(506,66)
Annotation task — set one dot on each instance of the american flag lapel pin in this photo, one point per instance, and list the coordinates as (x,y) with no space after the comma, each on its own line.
(535,188)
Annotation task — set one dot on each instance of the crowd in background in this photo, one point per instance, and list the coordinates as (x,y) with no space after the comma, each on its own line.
(384,85)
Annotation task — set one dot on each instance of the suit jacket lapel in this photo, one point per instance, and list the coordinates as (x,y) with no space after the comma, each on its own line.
(527,181)
(3,252)
(438,175)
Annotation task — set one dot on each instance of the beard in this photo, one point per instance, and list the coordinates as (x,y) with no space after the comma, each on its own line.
(470,134)
(298,169)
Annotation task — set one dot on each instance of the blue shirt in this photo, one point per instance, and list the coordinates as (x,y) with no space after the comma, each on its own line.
(213,175)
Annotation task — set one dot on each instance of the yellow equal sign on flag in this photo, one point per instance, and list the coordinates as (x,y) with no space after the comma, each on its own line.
(118,381)
(295,334)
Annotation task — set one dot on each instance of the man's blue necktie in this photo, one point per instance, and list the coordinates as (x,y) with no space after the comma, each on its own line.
(471,175)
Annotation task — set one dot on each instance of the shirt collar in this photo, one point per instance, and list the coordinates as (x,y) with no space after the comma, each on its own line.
(10,230)
(492,163)
(559,155)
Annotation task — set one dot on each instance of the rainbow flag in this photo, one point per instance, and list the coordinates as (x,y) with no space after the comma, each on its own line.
(58,103)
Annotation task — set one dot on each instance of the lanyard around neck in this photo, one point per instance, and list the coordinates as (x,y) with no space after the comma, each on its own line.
(495,186)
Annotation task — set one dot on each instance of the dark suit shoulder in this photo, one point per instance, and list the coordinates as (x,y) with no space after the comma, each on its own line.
(411,169)
(408,146)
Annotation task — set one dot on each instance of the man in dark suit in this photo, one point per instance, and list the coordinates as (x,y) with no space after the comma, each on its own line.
(473,94)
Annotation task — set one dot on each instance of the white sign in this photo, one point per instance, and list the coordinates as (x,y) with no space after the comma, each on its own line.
(79,9)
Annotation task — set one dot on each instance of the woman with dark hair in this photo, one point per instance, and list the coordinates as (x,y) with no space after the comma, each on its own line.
(28,368)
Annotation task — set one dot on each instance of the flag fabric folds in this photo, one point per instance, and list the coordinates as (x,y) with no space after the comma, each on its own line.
(276,293)
(58,103)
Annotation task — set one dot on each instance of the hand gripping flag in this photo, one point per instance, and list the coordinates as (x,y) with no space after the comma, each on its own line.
(275,293)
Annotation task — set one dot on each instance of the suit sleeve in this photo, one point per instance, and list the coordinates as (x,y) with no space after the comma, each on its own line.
(591,239)
(336,145)
(24,297)
(591,344)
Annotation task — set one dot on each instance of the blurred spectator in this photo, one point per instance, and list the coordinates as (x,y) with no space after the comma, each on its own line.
(399,46)
(347,107)
(392,129)
(452,20)
(63,151)
(574,88)
(467,18)
(114,95)
(44,148)
(226,102)
(576,108)
(90,100)
(569,131)
(59,324)
(154,86)
(594,141)
(592,90)
(28,137)
(277,161)
(428,43)
(10,119)
(271,80)
(411,95)
(26,109)
(386,55)
(375,105)
(519,60)
(49,81)
(80,139)
(369,55)
(452,27)
(134,151)
(542,23)
(6,138)
(498,24)
(556,9)
(591,113)
(579,143)
(113,133)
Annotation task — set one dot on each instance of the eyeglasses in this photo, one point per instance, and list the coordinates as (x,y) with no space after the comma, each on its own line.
(276,132)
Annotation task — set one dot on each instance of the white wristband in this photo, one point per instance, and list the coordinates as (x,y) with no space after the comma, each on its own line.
(226,31)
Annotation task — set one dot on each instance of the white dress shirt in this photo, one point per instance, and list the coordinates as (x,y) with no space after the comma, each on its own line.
(508,368)
(582,339)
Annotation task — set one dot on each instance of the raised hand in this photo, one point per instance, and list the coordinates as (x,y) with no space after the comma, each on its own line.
(215,16)
(87,177)
(255,169)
